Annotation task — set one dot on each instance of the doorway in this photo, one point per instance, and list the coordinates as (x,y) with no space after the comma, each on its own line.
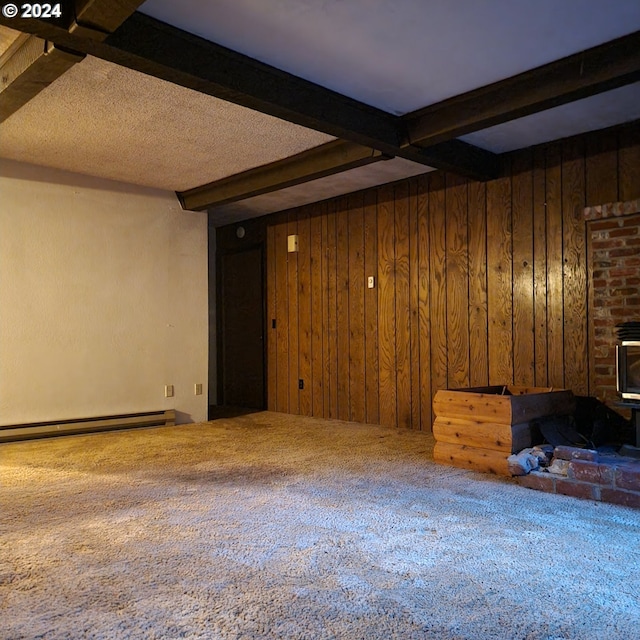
(241,373)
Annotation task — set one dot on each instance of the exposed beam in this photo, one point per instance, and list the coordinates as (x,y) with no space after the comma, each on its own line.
(29,66)
(33,63)
(325,160)
(97,19)
(602,68)
(163,51)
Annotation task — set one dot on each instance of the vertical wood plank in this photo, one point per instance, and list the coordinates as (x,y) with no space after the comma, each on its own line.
(540,266)
(326,312)
(371,307)
(294,344)
(629,163)
(500,281)
(438,282)
(478,319)
(332,308)
(342,266)
(555,335)
(601,168)
(282,314)
(523,283)
(356,309)
(424,303)
(272,352)
(386,308)
(403,322)
(574,275)
(304,312)
(457,282)
(317,314)
(414,304)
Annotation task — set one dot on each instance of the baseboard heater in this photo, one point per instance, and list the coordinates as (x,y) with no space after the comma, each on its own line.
(11,433)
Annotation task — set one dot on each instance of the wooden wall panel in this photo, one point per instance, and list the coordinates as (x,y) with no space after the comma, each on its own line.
(271,283)
(282,315)
(414,308)
(294,343)
(475,283)
(555,337)
(372,391)
(317,311)
(523,281)
(628,164)
(424,311)
(342,326)
(500,281)
(478,313)
(602,168)
(438,282)
(386,307)
(457,270)
(540,267)
(326,312)
(305,395)
(356,289)
(574,274)
(403,320)
(332,312)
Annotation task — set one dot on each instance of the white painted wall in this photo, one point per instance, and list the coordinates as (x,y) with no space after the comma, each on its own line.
(103,298)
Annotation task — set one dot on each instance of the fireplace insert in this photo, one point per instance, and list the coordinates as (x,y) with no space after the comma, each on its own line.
(628,361)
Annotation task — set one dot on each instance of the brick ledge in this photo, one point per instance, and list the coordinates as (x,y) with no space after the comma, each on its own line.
(612,209)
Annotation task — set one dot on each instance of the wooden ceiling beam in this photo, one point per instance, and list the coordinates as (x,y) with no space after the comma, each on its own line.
(602,68)
(27,67)
(32,63)
(157,49)
(325,160)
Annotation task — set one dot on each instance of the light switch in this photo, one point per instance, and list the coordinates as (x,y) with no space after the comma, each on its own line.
(168,391)
(371,282)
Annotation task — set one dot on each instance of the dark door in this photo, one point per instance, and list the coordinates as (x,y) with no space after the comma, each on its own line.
(242,339)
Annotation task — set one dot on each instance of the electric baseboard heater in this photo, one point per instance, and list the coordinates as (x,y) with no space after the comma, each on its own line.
(11,433)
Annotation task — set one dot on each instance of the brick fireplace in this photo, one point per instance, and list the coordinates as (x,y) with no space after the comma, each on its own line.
(613,236)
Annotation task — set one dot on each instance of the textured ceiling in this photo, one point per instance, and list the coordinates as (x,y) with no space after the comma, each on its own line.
(107,121)
(402,55)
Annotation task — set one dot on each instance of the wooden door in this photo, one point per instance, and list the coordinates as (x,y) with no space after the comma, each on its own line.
(241,374)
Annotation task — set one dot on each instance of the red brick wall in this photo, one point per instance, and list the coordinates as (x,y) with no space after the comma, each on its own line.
(614,255)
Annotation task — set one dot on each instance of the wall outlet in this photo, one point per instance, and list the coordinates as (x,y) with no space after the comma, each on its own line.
(301,384)
(197,389)
(168,391)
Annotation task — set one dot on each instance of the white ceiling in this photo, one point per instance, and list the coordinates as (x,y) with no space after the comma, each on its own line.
(397,55)
(402,55)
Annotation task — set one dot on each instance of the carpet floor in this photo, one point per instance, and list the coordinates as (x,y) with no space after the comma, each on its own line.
(274,526)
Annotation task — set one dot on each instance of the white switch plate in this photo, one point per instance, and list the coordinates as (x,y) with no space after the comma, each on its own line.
(168,391)
(197,389)
(371,282)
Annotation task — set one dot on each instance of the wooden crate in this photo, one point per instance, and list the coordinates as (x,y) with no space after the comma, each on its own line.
(479,428)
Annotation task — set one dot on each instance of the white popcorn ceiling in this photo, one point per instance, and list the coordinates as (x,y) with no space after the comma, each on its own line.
(111,122)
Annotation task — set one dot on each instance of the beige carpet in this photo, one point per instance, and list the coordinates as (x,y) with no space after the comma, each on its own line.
(272,526)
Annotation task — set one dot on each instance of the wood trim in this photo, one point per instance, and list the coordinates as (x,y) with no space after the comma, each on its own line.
(98,18)
(319,162)
(602,68)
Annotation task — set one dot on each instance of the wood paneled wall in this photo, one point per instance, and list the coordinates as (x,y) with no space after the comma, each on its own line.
(475,283)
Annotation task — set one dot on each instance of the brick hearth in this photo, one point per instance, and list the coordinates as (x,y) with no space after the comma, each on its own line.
(604,477)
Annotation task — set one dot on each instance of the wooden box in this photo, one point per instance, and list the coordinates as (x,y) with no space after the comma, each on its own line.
(479,428)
